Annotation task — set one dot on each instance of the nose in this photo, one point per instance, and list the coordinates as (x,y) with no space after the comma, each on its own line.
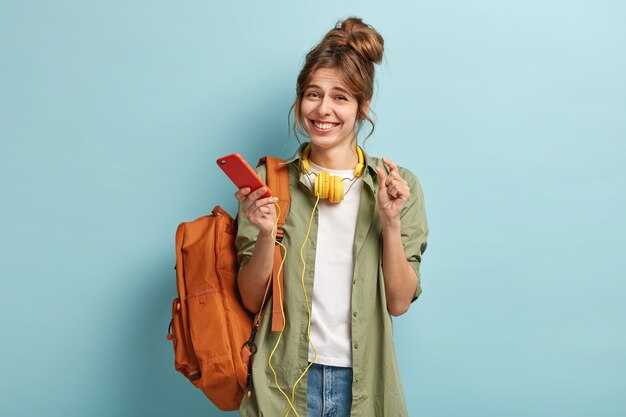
(325,106)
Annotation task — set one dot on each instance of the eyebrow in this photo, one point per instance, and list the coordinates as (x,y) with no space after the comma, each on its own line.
(334,88)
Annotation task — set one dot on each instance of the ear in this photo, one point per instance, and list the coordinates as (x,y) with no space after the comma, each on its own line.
(364,109)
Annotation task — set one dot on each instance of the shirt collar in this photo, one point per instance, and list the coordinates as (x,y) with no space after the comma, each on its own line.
(296,157)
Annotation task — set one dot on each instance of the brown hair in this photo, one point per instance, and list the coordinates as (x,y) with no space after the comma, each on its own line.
(352,47)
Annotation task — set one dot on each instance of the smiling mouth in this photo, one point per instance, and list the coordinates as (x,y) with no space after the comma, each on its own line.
(324,125)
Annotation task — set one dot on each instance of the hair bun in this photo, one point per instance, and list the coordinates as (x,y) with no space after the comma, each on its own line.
(359,36)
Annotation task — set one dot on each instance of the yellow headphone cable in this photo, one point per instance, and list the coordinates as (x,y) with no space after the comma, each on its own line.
(308,309)
(325,186)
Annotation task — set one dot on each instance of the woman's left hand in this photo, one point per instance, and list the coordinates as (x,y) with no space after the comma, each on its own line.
(393,192)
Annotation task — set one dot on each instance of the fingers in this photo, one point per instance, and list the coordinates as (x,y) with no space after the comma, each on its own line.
(382,178)
(262,202)
(255,207)
(240,195)
(398,190)
(395,185)
(244,194)
(392,166)
(394,173)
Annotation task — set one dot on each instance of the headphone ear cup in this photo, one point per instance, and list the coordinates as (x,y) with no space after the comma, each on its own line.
(336,189)
(322,185)
(358,170)
(329,187)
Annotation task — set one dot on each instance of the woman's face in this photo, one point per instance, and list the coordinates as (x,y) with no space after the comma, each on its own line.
(328,110)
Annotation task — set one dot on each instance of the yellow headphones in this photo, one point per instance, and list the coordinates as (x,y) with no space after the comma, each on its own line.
(330,186)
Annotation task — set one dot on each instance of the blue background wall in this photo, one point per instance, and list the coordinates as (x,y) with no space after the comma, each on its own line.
(511,113)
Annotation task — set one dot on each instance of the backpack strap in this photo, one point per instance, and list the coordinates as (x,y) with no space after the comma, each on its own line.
(278,182)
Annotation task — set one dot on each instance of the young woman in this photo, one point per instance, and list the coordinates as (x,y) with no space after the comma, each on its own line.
(354,237)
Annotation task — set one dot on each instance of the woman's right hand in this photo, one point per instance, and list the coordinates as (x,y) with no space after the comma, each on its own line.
(261,212)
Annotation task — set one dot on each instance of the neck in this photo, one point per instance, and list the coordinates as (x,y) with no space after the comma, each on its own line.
(338,158)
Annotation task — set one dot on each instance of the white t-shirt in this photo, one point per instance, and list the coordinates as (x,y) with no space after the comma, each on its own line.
(334,267)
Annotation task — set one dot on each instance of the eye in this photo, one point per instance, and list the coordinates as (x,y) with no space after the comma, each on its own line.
(342,98)
(312,94)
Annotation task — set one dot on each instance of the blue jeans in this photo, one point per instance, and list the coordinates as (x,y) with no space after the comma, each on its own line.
(329,391)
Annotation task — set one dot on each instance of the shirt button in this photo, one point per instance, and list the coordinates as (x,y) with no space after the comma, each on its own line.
(356,345)
(354,282)
(354,314)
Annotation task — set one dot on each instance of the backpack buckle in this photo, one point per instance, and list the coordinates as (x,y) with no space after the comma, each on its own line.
(280,234)
(250,342)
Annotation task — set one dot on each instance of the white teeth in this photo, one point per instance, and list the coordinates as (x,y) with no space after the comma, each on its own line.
(323,125)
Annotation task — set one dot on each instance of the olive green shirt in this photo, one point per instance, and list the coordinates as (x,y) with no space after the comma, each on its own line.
(376,386)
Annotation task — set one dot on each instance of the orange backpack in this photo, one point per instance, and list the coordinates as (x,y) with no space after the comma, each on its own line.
(212,333)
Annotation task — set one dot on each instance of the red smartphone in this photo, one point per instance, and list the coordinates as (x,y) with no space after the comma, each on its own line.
(242,174)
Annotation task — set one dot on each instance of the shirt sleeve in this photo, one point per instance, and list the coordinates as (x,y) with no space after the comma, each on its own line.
(414,227)
(247,233)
